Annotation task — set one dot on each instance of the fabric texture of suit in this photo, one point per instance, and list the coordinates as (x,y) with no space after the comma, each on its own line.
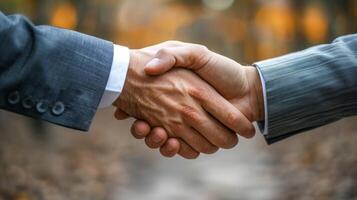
(52,74)
(310,88)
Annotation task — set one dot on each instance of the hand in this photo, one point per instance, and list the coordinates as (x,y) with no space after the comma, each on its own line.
(239,84)
(183,105)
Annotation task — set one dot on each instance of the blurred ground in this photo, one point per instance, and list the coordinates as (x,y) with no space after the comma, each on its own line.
(243,173)
(109,164)
(320,164)
(63,164)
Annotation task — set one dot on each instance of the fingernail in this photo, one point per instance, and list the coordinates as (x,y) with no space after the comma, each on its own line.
(153,63)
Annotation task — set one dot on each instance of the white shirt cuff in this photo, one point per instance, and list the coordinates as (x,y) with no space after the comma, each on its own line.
(264,125)
(117,76)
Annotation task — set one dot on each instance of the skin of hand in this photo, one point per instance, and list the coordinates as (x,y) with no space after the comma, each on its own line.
(241,85)
(182,104)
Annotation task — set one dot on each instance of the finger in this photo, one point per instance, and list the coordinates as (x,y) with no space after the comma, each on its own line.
(195,140)
(140,129)
(120,115)
(188,56)
(213,131)
(170,148)
(224,111)
(186,151)
(156,138)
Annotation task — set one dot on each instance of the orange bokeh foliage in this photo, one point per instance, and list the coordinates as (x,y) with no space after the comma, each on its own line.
(315,24)
(162,24)
(64,16)
(278,19)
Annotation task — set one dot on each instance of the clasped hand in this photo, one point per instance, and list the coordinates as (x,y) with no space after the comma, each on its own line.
(188,100)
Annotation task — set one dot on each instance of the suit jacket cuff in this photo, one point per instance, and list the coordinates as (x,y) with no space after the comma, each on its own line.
(281,81)
(310,88)
(52,74)
(263,125)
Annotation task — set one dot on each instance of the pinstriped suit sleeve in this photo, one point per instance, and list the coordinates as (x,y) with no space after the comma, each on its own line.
(52,74)
(310,88)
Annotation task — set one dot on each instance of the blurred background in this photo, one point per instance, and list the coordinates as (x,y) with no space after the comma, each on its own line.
(43,161)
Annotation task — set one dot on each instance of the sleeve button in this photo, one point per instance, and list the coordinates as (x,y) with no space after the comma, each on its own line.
(13,98)
(42,107)
(58,108)
(28,103)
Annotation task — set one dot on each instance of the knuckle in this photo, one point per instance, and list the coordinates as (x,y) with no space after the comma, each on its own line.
(203,48)
(176,126)
(163,52)
(203,56)
(233,120)
(190,113)
(200,48)
(198,93)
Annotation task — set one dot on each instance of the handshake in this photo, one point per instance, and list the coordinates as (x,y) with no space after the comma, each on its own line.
(189,100)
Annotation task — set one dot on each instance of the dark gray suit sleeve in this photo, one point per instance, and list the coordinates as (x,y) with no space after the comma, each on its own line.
(51,74)
(311,88)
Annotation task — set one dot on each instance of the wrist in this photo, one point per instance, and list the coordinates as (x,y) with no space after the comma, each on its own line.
(256,93)
(127,88)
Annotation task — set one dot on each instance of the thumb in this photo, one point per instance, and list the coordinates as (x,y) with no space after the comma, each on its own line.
(185,56)
(159,66)
(164,60)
